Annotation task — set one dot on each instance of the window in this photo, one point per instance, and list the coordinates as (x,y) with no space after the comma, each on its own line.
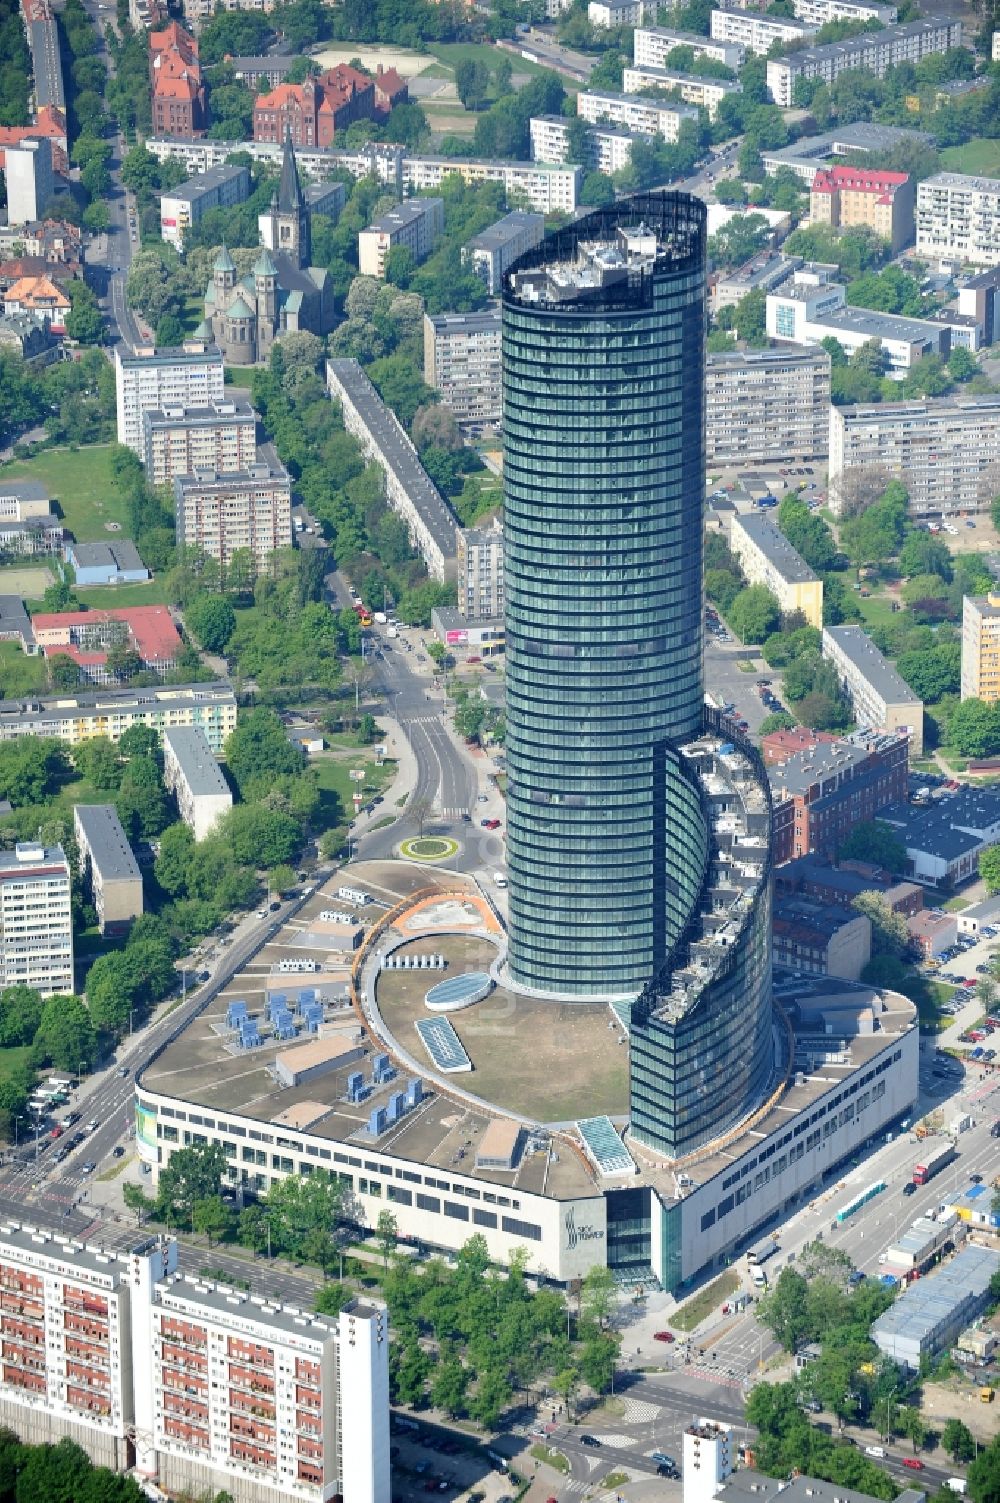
(428,1203)
(484,1218)
(521,1228)
(457,1213)
(400,1196)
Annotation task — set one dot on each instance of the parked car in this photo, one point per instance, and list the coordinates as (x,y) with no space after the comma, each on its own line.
(913,1463)
(589,1440)
(667,1336)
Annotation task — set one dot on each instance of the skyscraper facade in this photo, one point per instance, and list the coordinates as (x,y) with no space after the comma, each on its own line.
(603,399)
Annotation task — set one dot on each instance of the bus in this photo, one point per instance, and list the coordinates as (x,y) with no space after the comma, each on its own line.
(860,1200)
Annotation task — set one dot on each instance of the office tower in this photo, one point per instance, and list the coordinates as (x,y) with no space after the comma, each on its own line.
(36,926)
(604,474)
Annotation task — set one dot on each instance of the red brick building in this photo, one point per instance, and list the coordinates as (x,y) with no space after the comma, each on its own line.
(390,90)
(313,112)
(179,107)
(821,793)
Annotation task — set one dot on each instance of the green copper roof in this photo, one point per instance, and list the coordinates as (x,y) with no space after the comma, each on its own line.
(224,261)
(239,309)
(264,266)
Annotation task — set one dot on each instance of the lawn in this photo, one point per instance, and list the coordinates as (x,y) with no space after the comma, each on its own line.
(333,777)
(698,1309)
(80,480)
(20,675)
(955,905)
(876,609)
(453,53)
(14,1059)
(114,597)
(979,157)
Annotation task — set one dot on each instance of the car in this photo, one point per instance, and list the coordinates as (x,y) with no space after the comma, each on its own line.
(667,1336)
(909,1188)
(814,1406)
(589,1440)
(56,1132)
(913,1462)
(275,907)
(88,1167)
(483,798)
(662,1458)
(93,1124)
(204,975)
(663,1470)
(490,824)
(118,1152)
(976,1179)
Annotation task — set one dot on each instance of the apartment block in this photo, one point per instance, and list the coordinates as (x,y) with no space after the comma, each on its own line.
(818,12)
(767,406)
(651,45)
(873,52)
(766,272)
(194,777)
(183,207)
(847,196)
(30,181)
(981,648)
(221,436)
(707,92)
(881,700)
(480,573)
(607,148)
(415,225)
(819,939)
(821,792)
(635,112)
(758,33)
(959,216)
(945,451)
(72,718)
(807,311)
(108,867)
(36,926)
(767,557)
(189,1382)
(494,249)
(614,13)
(409,489)
(244,509)
(188,376)
(462,362)
(979,299)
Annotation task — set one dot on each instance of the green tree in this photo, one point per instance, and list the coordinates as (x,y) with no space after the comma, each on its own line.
(472,81)
(260,837)
(411,1371)
(493,1394)
(874,841)
(97,760)
(213,621)
(782,721)
(259,748)
(190,1175)
(83,322)
(65,1036)
(386,1233)
(890,935)
(984,1474)
(957,1439)
(989,867)
(754,613)
(784,1310)
(598,1296)
(448,1387)
(974,728)
(212,1218)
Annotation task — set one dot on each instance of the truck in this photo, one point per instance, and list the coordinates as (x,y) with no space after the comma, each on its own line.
(761,1251)
(933,1162)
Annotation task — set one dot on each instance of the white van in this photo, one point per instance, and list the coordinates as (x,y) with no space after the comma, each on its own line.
(957,1485)
(878,1451)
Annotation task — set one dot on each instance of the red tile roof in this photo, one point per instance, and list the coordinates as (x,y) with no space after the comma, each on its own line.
(154,636)
(858,180)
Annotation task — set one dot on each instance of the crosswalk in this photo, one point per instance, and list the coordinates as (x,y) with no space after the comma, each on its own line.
(640,1411)
(576,1485)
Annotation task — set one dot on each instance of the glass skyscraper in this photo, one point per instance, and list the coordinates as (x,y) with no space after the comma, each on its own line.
(604,484)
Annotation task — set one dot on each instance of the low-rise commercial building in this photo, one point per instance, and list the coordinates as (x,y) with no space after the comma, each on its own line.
(845,197)
(872,52)
(881,700)
(929,1314)
(149,379)
(652,44)
(480,572)
(822,792)
(748,1486)
(767,557)
(222,436)
(923,1242)
(819,939)
(243,509)
(91,638)
(415,225)
(36,924)
(193,776)
(409,489)
(979,916)
(932,932)
(958,215)
(767,406)
(943,839)
(33,536)
(494,249)
(765,272)
(635,112)
(186,206)
(693,89)
(15,624)
(109,869)
(945,451)
(758,33)
(106,563)
(812,309)
(72,718)
(981,647)
(462,362)
(807,155)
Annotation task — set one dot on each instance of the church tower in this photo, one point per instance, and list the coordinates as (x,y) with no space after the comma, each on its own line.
(284,228)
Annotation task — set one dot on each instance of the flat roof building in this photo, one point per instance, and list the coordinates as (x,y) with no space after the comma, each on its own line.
(72,718)
(804,157)
(409,489)
(749,1486)
(106,563)
(881,699)
(821,792)
(943,839)
(221,436)
(872,52)
(652,44)
(494,249)
(193,776)
(692,87)
(242,509)
(415,224)
(462,362)
(15,624)
(635,112)
(758,33)
(981,647)
(812,309)
(148,379)
(958,215)
(183,207)
(480,573)
(767,406)
(946,451)
(108,866)
(927,1316)
(36,923)
(819,938)
(768,558)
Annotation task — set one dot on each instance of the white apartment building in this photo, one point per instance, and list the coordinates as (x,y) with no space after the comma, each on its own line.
(30,180)
(108,865)
(494,249)
(409,489)
(190,1383)
(193,776)
(415,225)
(480,573)
(221,436)
(946,451)
(708,1457)
(758,33)
(959,216)
(634,112)
(244,509)
(874,52)
(707,92)
(809,310)
(72,718)
(36,924)
(185,206)
(881,700)
(818,12)
(651,45)
(462,362)
(767,406)
(614,13)
(608,147)
(189,376)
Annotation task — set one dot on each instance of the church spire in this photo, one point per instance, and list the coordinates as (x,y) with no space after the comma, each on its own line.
(289,191)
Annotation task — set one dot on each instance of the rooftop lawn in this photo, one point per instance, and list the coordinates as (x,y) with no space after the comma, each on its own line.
(80,480)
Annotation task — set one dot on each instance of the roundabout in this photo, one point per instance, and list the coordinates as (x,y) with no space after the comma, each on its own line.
(429,848)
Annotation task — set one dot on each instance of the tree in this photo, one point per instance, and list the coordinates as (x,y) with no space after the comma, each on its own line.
(890,935)
(989,867)
(779,722)
(63,672)
(784,1309)
(139,741)
(259,748)
(472,81)
(29,769)
(83,322)
(448,1387)
(213,621)
(984,1475)
(260,837)
(136,1200)
(754,613)
(65,1036)
(876,842)
(491,1398)
(974,728)
(211,1217)
(412,1368)
(386,1232)
(190,1175)
(958,1441)
(598,1296)
(97,760)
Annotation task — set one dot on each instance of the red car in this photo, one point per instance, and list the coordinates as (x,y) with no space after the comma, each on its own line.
(969,981)
(914,1463)
(666,1336)
(490,824)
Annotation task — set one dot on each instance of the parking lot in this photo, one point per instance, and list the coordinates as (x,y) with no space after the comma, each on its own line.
(724,677)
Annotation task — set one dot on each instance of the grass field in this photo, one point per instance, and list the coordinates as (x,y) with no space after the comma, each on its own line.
(333,778)
(20,675)
(13,1059)
(30,582)
(696,1310)
(876,609)
(80,480)
(453,53)
(980,157)
(108,597)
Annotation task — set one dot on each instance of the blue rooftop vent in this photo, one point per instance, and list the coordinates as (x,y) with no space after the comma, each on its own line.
(414,1093)
(355,1085)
